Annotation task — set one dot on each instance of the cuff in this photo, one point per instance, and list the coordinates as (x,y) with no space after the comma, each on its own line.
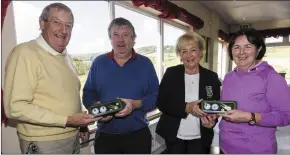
(61,121)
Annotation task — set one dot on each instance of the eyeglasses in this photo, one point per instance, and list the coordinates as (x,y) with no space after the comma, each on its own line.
(59,24)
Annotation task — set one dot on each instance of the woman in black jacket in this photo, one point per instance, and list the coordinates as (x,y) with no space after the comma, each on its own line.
(184,127)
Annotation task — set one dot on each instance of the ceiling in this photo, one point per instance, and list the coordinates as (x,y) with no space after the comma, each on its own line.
(248,12)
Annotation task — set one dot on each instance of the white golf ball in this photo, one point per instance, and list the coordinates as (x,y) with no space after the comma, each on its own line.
(103,109)
(215,107)
(206,106)
(95,111)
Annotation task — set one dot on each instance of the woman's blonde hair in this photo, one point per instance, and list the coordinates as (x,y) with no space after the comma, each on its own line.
(187,38)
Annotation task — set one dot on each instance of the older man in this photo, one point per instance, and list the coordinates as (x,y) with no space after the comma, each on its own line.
(42,89)
(122,73)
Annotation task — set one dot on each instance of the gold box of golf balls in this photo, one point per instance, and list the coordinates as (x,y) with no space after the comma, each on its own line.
(217,106)
(106,108)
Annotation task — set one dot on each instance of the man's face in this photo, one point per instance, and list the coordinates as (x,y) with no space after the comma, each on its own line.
(57,29)
(122,40)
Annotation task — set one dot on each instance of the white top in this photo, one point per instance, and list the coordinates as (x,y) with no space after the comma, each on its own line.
(189,128)
(41,42)
(215,141)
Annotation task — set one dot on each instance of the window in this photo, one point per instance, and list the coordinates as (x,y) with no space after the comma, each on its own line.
(222,59)
(171,34)
(279,58)
(146,29)
(219,64)
(273,40)
(225,58)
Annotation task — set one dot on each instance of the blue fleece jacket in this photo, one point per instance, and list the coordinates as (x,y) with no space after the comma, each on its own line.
(135,80)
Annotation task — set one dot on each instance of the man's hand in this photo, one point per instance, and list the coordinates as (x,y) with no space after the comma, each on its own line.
(236,116)
(193,108)
(131,105)
(84,134)
(81,119)
(208,121)
(106,119)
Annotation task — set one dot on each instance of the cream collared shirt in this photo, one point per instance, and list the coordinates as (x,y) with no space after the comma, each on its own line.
(41,42)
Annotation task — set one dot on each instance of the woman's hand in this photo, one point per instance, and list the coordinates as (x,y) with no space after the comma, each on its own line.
(208,121)
(193,108)
(237,116)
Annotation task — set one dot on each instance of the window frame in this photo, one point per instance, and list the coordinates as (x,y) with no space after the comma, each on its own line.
(285,42)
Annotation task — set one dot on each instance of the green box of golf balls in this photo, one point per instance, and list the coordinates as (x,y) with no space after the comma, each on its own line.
(106,108)
(217,106)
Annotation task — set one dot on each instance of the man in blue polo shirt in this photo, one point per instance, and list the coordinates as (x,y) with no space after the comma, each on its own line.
(122,73)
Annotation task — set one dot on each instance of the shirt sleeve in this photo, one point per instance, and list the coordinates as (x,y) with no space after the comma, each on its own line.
(19,87)
(278,98)
(150,98)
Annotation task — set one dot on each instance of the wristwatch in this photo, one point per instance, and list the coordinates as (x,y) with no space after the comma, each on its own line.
(252,121)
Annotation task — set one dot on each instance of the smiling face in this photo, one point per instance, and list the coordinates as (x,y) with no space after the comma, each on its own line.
(122,40)
(244,53)
(190,54)
(56,30)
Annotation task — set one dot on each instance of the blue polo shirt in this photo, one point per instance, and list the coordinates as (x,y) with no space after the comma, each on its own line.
(136,80)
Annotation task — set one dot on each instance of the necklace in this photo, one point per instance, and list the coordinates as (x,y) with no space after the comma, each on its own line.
(191,79)
(192,72)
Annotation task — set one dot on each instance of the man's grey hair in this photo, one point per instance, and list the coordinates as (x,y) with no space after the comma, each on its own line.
(45,12)
(121,22)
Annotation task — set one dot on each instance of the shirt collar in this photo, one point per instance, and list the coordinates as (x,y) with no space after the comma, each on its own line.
(40,41)
(252,68)
(111,54)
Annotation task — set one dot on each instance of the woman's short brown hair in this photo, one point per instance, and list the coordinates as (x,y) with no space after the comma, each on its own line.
(253,37)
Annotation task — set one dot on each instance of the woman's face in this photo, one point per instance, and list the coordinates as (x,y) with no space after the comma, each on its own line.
(244,53)
(190,54)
